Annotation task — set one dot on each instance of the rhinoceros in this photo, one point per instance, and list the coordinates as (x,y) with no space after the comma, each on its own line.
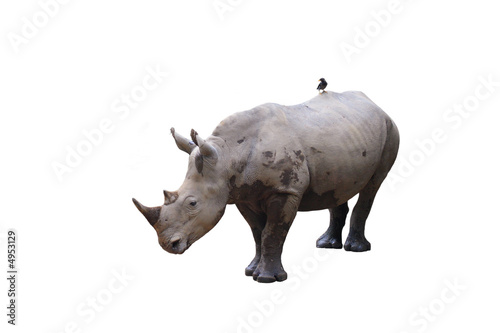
(274,160)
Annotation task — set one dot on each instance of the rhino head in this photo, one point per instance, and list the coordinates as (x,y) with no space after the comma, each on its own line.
(195,208)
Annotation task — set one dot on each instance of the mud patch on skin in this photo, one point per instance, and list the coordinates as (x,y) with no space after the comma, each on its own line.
(316,151)
(299,155)
(364,153)
(313,201)
(256,192)
(269,158)
(289,166)
(238,166)
(287,176)
(268,154)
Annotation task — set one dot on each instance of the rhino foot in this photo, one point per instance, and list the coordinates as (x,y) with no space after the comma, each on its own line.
(250,270)
(327,242)
(357,244)
(252,266)
(268,276)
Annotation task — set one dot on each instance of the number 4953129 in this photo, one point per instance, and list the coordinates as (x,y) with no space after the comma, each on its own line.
(11,249)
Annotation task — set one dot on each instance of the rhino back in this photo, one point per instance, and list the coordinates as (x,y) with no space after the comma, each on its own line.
(324,149)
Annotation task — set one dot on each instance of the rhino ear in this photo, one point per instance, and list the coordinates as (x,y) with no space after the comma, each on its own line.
(170,197)
(152,214)
(182,143)
(206,149)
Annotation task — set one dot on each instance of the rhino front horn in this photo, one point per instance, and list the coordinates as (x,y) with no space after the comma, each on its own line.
(152,214)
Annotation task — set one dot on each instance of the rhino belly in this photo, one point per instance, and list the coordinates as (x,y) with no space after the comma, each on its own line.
(332,193)
(338,173)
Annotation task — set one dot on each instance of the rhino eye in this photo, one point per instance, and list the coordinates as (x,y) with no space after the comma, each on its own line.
(193,203)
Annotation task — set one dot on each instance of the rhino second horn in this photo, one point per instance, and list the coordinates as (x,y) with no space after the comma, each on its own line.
(170,197)
(152,214)
(206,149)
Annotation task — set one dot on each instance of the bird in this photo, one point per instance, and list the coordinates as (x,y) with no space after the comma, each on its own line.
(322,85)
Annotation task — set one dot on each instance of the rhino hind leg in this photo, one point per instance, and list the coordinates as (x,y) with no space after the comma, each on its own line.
(280,210)
(332,238)
(356,240)
(257,222)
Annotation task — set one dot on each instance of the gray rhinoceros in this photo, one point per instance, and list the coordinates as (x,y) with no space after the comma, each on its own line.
(275,160)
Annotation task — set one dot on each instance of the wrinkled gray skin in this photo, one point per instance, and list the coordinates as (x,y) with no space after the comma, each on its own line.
(275,160)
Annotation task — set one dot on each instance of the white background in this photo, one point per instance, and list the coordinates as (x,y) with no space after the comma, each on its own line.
(433,226)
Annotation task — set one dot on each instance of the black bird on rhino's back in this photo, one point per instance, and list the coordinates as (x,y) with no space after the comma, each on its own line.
(322,85)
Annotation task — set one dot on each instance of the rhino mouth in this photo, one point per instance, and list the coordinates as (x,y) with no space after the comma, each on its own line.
(176,245)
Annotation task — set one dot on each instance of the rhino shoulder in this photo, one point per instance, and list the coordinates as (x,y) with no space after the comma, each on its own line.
(244,120)
(360,94)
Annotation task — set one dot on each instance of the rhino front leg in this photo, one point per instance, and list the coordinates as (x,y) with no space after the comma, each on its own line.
(256,221)
(332,238)
(281,210)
